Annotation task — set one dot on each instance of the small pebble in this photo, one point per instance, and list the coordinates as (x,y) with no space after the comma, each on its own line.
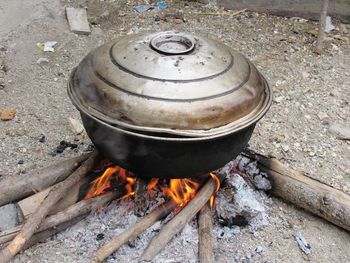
(100,236)
(259,249)
(42,139)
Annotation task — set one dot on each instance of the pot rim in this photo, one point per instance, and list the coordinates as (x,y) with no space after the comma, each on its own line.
(158,138)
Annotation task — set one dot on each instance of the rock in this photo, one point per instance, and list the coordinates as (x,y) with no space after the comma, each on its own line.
(77,19)
(8,217)
(7,114)
(341,130)
(278,99)
(259,249)
(285,147)
(322,116)
(303,244)
(42,138)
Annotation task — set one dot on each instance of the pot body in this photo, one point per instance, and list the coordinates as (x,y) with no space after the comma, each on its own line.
(164,157)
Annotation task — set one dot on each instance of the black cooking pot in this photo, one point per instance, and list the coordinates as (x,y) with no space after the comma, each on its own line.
(169,104)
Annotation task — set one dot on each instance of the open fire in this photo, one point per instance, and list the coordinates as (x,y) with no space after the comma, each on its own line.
(181,191)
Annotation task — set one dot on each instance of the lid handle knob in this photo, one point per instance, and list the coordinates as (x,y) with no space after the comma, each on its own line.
(173,43)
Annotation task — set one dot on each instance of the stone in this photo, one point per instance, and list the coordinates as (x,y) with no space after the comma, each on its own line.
(340,130)
(259,249)
(8,217)
(7,114)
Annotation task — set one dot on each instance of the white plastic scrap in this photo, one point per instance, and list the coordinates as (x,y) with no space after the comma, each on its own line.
(329,26)
(303,244)
(47,46)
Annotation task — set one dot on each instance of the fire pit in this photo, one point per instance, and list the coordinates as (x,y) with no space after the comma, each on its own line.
(169,104)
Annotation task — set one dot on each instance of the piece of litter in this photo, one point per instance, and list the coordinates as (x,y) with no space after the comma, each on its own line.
(41,61)
(47,46)
(77,20)
(161,5)
(303,244)
(77,126)
(329,26)
(142,8)
(7,114)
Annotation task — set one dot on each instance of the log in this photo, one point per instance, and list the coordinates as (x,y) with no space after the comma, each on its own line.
(321,27)
(21,185)
(318,198)
(131,233)
(205,225)
(55,194)
(175,225)
(76,210)
(29,205)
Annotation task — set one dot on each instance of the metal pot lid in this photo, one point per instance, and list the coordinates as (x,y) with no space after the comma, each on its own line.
(170,82)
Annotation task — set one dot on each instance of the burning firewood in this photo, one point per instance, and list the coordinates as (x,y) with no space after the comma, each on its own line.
(131,233)
(174,226)
(205,243)
(22,185)
(140,206)
(55,194)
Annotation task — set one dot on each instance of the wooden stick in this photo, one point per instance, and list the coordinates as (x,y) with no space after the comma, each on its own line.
(222,14)
(321,27)
(29,205)
(180,220)
(78,209)
(205,224)
(22,185)
(56,193)
(305,192)
(131,233)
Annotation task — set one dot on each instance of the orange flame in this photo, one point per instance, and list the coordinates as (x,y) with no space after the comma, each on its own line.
(152,184)
(181,190)
(218,183)
(103,183)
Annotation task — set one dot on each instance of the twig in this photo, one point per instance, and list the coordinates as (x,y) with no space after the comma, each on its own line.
(22,185)
(222,14)
(78,209)
(55,194)
(174,226)
(131,233)
(321,27)
(205,225)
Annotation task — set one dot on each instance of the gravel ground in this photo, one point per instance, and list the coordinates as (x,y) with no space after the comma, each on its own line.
(311,101)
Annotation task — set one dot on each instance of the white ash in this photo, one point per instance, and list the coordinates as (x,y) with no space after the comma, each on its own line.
(238,203)
(248,167)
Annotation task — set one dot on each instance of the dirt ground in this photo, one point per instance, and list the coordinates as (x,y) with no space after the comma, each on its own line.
(311,95)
